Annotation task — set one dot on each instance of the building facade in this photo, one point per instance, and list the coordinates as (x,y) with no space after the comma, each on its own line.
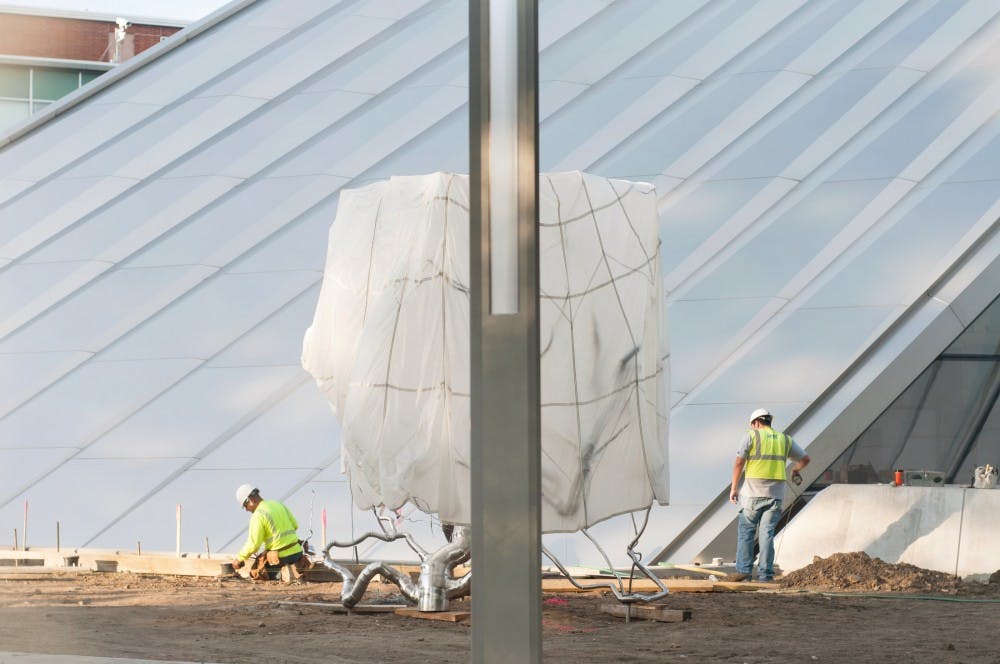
(45,55)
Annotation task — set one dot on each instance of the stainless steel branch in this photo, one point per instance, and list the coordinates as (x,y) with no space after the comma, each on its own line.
(436,584)
(388,526)
(624,596)
(354,587)
(385,537)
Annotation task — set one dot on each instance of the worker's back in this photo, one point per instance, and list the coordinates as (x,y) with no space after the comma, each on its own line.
(768,453)
(278,525)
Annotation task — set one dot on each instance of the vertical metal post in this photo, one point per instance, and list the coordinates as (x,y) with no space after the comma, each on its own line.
(506,446)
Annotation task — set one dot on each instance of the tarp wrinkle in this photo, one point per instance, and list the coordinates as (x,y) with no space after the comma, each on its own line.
(389,346)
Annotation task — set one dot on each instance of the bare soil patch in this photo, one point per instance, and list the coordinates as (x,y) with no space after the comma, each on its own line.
(857,571)
(233,620)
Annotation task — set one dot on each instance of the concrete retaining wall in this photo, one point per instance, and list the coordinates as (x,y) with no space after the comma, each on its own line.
(151,563)
(950,529)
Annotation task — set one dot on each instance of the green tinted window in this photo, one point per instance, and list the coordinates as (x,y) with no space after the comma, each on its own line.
(12,112)
(53,84)
(89,76)
(14,82)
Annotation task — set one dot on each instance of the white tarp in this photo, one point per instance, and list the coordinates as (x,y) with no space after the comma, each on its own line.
(389,346)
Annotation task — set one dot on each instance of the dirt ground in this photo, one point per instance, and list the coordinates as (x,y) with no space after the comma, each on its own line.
(846,608)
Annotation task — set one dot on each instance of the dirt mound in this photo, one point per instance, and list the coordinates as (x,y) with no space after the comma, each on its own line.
(857,571)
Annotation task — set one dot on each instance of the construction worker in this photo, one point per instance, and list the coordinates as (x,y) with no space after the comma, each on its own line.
(273,526)
(762,457)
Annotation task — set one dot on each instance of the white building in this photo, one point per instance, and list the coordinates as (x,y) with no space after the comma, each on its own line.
(829,181)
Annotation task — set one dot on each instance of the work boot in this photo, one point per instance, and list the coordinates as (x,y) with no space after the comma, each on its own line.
(290,574)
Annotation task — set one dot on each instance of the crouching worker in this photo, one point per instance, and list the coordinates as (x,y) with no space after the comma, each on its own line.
(273,526)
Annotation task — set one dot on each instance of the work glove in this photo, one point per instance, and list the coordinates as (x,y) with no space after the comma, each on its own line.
(237,563)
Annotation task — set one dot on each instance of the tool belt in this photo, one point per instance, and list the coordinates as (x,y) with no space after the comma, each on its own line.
(259,568)
(273,556)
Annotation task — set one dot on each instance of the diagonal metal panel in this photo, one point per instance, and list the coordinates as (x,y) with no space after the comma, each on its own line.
(750,117)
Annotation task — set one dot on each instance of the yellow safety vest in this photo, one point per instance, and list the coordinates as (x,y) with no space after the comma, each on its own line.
(768,454)
(273,525)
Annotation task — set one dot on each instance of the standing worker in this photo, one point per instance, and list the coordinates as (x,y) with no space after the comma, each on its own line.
(763,454)
(274,526)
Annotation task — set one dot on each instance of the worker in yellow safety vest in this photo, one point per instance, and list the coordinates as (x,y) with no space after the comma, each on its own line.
(761,460)
(273,526)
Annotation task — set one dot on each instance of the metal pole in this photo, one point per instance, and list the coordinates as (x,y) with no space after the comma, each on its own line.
(506,447)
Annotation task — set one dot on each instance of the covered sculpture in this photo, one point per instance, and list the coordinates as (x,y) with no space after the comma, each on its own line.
(389,346)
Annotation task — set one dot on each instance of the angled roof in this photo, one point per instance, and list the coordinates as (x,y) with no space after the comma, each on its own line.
(827,173)
(87,15)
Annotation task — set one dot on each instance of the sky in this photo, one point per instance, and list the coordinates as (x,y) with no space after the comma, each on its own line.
(186,10)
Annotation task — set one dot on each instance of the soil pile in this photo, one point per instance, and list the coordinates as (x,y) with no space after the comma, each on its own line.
(857,571)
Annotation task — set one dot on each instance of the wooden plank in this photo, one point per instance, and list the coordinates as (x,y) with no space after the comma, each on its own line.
(42,574)
(690,585)
(647,586)
(566,586)
(741,586)
(707,571)
(638,585)
(446,616)
(334,607)
(168,565)
(35,570)
(656,612)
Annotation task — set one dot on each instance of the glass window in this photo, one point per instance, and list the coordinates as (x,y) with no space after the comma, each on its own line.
(985,449)
(14,82)
(12,112)
(51,84)
(946,420)
(982,337)
(26,90)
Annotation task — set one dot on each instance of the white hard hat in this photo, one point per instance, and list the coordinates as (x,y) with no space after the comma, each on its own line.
(760,412)
(244,492)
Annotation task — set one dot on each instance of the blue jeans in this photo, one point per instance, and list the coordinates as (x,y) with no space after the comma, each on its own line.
(757,520)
